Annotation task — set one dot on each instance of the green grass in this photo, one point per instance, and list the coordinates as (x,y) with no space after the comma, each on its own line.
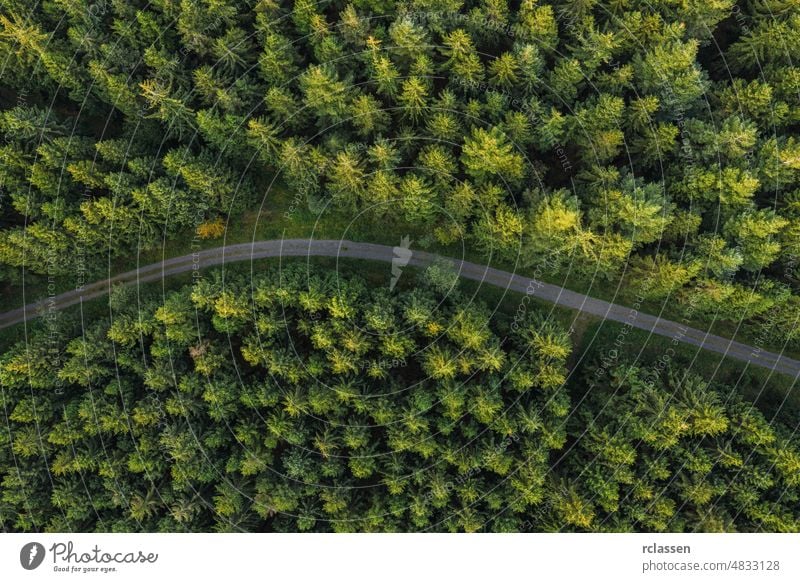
(272,223)
(613,292)
(268,224)
(773,394)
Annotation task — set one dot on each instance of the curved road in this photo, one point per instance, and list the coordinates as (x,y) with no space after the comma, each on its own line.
(375,252)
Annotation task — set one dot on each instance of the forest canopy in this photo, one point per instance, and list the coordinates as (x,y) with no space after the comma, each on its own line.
(304,401)
(649,148)
(650,144)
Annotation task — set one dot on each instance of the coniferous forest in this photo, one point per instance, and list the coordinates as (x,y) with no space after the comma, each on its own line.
(648,149)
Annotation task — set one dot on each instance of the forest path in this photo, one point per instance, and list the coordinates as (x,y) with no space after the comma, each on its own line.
(375,252)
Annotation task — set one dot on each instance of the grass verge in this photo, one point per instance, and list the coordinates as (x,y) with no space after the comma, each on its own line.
(774,394)
(283,216)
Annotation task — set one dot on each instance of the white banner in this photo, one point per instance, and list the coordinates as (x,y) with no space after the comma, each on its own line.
(406,557)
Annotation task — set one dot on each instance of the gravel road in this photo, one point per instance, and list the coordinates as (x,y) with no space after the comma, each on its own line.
(375,252)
